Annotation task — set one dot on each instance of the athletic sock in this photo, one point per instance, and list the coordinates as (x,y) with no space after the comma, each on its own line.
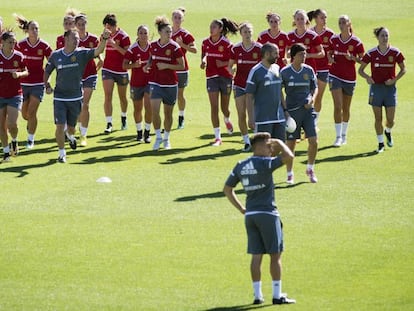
(310,166)
(246,139)
(166,135)
(30,137)
(338,129)
(257,288)
(62,152)
(217,133)
(158,134)
(181,113)
(147,126)
(380,138)
(344,128)
(109,119)
(277,289)
(83,130)
(139,126)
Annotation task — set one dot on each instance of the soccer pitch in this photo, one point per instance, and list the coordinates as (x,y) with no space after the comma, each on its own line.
(162,236)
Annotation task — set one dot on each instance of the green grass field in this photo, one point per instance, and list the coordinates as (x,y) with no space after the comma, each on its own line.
(162,236)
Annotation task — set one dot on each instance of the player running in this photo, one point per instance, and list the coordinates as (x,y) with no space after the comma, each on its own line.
(244,55)
(382,81)
(35,51)
(136,58)
(215,55)
(345,50)
(187,43)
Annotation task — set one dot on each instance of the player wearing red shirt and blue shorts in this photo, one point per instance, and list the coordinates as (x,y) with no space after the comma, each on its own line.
(166,58)
(215,55)
(322,64)
(345,50)
(276,36)
(187,43)
(135,59)
(244,55)
(112,71)
(383,92)
(35,51)
(12,68)
(68,23)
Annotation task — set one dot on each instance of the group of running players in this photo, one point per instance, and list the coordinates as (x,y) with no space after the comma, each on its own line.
(159,73)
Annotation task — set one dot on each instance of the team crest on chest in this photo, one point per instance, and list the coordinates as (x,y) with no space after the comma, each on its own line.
(255,56)
(168,52)
(73,58)
(307,41)
(350,48)
(40,52)
(305,76)
(325,39)
(391,59)
(15,64)
(281,43)
(221,48)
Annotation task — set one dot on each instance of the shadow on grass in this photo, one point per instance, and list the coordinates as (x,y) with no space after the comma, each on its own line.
(236,308)
(284,185)
(203,157)
(23,170)
(211,195)
(342,157)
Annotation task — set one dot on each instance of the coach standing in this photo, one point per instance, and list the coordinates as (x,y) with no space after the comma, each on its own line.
(70,63)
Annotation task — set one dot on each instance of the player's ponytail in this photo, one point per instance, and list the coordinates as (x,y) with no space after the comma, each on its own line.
(229,26)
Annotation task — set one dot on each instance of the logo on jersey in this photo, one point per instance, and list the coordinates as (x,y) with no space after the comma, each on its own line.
(307,41)
(245,181)
(40,52)
(168,52)
(221,48)
(306,76)
(350,48)
(248,169)
(15,64)
(117,42)
(325,39)
(255,56)
(73,58)
(281,43)
(391,59)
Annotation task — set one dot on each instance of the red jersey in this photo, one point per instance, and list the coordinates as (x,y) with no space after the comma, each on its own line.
(34,56)
(60,42)
(90,42)
(214,51)
(10,87)
(138,78)
(113,59)
(187,39)
(311,40)
(281,40)
(245,60)
(167,53)
(383,64)
(343,68)
(322,64)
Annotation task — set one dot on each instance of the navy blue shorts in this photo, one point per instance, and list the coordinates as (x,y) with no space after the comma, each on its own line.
(168,95)
(304,120)
(383,95)
(182,79)
(347,87)
(37,91)
(15,102)
(219,84)
(276,130)
(119,78)
(137,93)
(90,82)
(66,112)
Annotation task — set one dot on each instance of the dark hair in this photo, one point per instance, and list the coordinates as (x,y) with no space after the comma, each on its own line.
(295,48)
(7,33)
(161,22)
(259,138)
(268,47)
(227,25)
(378,30)
(270,14)
(69,32)
(22,22)
(314,14)
(110,19)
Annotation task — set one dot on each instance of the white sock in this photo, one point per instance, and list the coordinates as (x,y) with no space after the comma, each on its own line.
(388,130)
(166,135)
(380,139)
(158,134)
(139,126)
(226,120)
(246,139)
(6,149)
(344,128)
(71,137)
(257,288)
(338,129)
(30,137)
(123,114)
(217,133)
(83,130)
(310,166)
(62,152)
(109,119)
(181,113)
(147,126)
(65,128)
(277,289)
(290,173)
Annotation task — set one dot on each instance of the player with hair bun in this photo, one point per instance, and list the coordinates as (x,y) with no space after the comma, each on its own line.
(345,50)
(113,72)
(276,36)
(68,23)
(136,58)
(35,51)
(187,43)
(166,59)
(12,69)
(215,56)
(244,55)
(382,81)
(322,64)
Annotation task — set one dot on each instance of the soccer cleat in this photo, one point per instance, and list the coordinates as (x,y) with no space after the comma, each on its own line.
(73,144)
(6,157)
(290,179)
(217,142)
(381,148)
(229,127)
(246,148)
(258,301)
(61,159)
(14,147)
(312,176)
(147,138)
(390,142)
(108,129)
(167,144)
(337,142)
(83,141)
(343,138)
(139,136)
(29,144)
(157,144)
(283,300)
(180,122)
(124,123)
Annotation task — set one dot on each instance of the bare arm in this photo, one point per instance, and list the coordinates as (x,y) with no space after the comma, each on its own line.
(179,66)
(279,147)
(363,74)
(101,47)
(231,196)
(250,110)
(399,75)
